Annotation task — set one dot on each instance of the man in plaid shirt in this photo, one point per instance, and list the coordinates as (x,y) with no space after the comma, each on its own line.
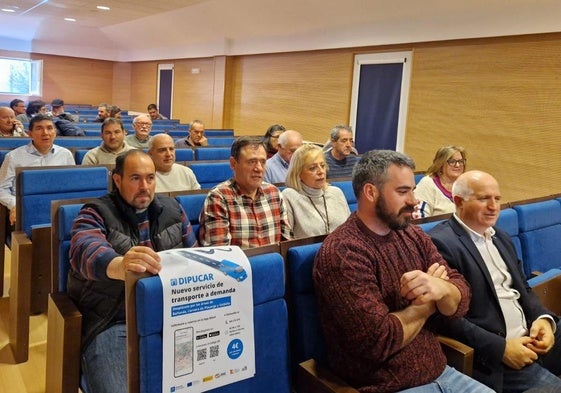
(243,211)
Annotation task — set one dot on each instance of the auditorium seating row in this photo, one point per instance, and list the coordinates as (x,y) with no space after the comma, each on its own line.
(295,334)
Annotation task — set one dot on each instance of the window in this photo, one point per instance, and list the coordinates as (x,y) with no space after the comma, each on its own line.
(21,76)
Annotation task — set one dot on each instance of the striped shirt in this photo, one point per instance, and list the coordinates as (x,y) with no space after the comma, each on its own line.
(229,217)
(27,155)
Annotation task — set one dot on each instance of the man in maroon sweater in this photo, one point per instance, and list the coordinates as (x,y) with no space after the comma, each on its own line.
(379,281)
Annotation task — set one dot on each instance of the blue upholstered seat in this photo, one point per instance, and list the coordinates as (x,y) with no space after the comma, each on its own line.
(270,327)
(184,154)
(193,205)
(306,335)
(540,234)
(212,153)
(347,187)
(209,174)
(220,140)
(37,187)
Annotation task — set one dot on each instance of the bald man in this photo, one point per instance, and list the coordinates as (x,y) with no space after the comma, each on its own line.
(516,339)
(277,166)
(9,125)
(169,175)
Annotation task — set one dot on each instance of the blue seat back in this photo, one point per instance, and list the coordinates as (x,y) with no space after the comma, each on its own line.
(209,174)
(540,234)
(193,205)
(220,140)
(347,187)
(418,177)
(270,330)
(212,153)
(306,335)
(427,226)
(66,216)
(508,222)
(184,154)
(37,187)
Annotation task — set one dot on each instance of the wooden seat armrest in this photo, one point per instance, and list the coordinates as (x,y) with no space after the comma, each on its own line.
(458,354)
(315,378)
(64,331)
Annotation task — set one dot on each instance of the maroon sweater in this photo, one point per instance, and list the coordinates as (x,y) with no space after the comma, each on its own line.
(357,281)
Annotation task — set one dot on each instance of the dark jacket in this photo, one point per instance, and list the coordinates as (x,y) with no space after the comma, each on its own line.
(66,127)
(483,327)
(102,302)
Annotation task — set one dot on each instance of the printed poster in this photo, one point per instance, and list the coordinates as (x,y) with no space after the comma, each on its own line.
(208,318)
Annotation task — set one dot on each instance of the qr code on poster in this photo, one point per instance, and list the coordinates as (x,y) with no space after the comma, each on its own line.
(201,354)
(213,351)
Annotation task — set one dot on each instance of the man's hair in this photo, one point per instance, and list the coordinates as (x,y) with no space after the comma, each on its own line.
(373,168)
(121,159)
(113,110)
(136,119)
(335,131)
(15,102)
(37,118)
(112,120)
(196,122)
(461,188)
(242,142)
(34,107)
(152,106)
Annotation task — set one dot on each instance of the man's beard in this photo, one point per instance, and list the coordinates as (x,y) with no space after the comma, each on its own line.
(394,221)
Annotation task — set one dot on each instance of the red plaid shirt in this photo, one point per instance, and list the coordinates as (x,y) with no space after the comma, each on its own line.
(228,217)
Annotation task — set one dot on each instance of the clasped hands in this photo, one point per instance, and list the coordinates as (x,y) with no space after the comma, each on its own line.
(425,288)
(523,351)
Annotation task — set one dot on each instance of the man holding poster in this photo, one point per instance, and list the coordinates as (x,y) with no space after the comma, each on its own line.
(121,231)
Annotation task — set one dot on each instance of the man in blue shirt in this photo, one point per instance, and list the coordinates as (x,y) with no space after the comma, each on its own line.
(277,166)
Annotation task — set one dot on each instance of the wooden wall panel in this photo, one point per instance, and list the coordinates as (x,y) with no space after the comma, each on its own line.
(143,85)
(499,99)
(305,91)
(122,85)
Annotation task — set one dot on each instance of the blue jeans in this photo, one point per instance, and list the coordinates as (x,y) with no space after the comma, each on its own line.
(532,376)
(451,381)
(104,362)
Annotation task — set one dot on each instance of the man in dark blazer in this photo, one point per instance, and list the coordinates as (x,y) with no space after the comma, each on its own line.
(516,340)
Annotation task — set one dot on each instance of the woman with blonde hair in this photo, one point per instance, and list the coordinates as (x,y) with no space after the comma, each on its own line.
(434,191)
(313,206)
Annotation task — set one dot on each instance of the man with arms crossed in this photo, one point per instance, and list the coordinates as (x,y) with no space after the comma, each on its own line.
(506,324)
(243,211)
(379,281)
(119,232)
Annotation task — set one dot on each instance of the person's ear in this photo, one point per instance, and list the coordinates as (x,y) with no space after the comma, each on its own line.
(117,180)
(370,191)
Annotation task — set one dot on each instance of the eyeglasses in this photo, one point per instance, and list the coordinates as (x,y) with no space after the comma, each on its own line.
(453,162)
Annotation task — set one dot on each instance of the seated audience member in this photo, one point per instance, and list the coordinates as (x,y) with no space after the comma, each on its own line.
(64,122)
(33,108)
(103,112)
(154,114)
(169,175)
(115,111)
(112,145)
(243,211)
(339,160)
(195,138)
(379,281)
(9,126)
(313,206)
(277,165)
(271,139)
(516,340)
(142,125)
(40,151)
(434,190)
(18,106)
(119,232)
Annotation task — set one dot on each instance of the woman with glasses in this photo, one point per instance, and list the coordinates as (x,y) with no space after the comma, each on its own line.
(271,139)
(313,206)
(434,191)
